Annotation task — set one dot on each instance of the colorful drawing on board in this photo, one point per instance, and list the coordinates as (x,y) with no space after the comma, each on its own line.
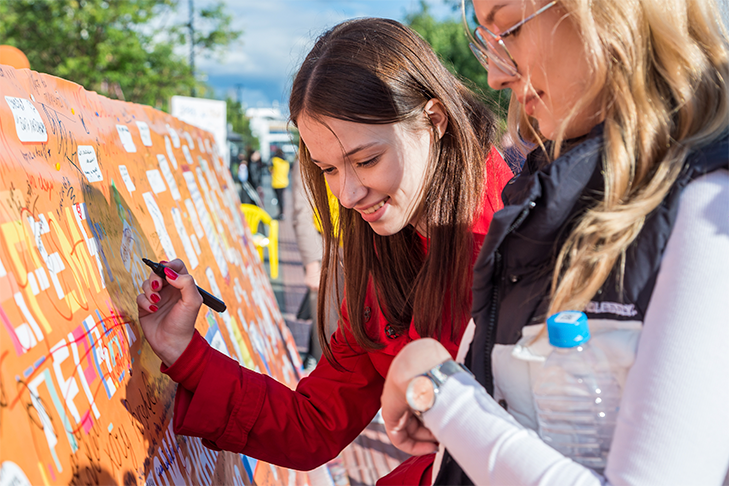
(88,187)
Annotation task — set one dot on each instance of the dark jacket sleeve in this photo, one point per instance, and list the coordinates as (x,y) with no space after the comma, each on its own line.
(236,409)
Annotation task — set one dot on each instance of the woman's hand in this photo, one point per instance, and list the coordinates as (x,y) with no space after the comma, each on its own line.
(405,430)
(168,309)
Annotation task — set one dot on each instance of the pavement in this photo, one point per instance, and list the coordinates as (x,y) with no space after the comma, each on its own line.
(371,455)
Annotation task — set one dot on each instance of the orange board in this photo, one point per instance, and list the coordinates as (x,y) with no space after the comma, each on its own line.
(88,187)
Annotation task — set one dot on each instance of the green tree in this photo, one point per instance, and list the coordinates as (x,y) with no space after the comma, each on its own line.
(125,49)
(240,123)
(449,41)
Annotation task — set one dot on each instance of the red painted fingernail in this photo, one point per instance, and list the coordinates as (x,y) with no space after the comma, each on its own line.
(164,261)
(155,284)
(153,308)
(171,274)
(154,298)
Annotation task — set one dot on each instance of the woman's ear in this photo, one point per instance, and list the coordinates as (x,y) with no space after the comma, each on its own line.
(436,112)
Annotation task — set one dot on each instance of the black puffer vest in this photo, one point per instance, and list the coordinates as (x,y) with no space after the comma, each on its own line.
(513,273)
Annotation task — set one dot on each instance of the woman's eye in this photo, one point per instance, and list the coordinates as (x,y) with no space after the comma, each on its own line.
(328,170)
(516,31)
(370,162)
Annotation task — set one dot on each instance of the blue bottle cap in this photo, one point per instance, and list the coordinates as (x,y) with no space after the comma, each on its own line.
(568,329)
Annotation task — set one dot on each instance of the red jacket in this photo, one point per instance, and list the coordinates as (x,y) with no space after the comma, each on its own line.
(236,409)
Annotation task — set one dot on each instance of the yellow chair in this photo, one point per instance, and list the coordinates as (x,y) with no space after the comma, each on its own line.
(254,217)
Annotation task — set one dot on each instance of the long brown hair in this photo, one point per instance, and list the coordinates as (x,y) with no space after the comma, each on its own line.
(378,71)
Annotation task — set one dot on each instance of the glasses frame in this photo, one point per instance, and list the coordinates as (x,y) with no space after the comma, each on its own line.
(483,49)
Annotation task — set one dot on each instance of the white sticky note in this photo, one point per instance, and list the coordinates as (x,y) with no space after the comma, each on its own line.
(28,123)
(170,154)
(156,182)
(192,212)
(126,138)
(159,225)
(88,163)
(175,137)
(208,148)
(165,168)
(186,243)
(33,283)
(127,179)
(144,133)
(188,155)
(210,234)
(42,277)
(189,140)
(200,145)
(195,244)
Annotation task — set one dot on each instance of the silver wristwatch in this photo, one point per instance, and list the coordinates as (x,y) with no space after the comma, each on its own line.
(423,389)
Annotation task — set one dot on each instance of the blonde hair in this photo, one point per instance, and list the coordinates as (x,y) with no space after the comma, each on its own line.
(660,70)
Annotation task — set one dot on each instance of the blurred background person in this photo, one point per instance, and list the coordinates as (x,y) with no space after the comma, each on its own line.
(279,179)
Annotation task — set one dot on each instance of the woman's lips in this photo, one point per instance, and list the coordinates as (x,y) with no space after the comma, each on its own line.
(374,212)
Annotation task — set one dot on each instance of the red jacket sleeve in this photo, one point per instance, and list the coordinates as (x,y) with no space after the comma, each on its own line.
(239,410)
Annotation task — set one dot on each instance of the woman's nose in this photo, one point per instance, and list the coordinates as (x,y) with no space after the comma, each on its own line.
(351,189)
(498,78)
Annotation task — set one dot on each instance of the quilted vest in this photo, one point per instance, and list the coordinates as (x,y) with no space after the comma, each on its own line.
(513,272)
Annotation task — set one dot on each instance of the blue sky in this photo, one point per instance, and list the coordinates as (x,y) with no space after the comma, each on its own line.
(278,34)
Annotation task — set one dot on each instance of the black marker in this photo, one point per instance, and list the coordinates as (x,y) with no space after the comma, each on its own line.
(208,299)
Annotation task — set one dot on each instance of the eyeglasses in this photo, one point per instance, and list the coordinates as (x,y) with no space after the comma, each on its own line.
(487,46)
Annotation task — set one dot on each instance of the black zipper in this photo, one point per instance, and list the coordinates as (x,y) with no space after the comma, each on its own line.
(497,281)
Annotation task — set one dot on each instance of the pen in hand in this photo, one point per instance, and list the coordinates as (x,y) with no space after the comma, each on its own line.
(208,299)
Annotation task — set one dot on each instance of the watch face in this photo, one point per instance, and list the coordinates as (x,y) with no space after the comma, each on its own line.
(420,393)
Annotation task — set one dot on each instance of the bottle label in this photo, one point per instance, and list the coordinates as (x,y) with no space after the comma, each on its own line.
(568,317)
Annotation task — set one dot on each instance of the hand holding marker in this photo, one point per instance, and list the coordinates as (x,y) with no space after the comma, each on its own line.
(208,299)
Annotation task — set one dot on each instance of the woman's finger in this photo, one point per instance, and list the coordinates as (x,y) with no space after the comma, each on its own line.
(186,285)
(145,305)
(156,282)
(419,432)
(148,286)
(177,265)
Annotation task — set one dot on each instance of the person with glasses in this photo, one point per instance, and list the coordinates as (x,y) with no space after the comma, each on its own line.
(407,150)
(622,212)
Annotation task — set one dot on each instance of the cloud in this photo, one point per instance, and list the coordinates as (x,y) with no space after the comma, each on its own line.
(277,35)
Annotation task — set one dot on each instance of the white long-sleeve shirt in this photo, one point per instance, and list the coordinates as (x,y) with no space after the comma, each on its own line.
(673,424)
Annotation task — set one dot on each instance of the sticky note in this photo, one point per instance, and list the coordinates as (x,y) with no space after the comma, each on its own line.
(159,225)
(170,154)
(175,137)
(88,163)
(188,156)
(167,173)
(126,138)
(156,182)
(144,133)
(189,140)
(28,123)
(126,178)
(184,238)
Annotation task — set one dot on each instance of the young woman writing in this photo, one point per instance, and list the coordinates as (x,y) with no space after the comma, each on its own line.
(406,149)
(621,212)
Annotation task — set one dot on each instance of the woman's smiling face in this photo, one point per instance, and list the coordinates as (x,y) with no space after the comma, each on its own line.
(377,170)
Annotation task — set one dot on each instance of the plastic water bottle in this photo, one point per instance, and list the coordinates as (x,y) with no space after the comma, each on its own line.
(577,396)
